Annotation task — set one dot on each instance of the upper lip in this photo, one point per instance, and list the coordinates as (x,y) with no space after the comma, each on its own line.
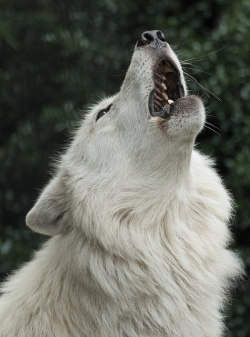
(167,86)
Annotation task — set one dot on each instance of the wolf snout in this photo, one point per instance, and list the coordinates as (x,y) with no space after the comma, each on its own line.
(152,38)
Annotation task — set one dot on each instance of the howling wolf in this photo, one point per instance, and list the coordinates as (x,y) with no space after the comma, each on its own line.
(138,220)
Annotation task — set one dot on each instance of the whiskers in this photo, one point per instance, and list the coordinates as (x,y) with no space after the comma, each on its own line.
(202,87)
(212,127)
(188,65)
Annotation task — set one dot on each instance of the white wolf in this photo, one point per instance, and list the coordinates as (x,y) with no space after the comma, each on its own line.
(138,220)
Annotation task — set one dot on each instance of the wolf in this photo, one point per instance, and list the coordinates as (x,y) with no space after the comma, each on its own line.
(138,220)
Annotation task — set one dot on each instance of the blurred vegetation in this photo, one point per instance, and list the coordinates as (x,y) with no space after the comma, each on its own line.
(58,56)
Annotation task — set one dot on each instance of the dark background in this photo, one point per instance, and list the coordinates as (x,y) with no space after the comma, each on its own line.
(58,56)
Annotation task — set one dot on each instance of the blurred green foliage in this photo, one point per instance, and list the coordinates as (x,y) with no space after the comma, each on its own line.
(58,56)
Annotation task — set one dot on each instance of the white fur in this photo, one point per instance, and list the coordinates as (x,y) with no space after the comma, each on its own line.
(139,225)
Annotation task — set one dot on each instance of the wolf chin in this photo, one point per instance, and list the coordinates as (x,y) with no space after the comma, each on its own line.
(138,220)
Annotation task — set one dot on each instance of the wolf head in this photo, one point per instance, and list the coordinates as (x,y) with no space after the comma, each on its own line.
(132,152)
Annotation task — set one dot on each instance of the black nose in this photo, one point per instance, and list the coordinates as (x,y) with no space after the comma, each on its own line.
(153,38)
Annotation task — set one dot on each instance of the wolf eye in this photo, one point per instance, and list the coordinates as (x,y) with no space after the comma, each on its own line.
(103,112)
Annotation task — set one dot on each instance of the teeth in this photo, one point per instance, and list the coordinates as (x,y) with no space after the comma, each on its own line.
(164,86)
(165,96)
(158,82)
(170,101)
(159,76)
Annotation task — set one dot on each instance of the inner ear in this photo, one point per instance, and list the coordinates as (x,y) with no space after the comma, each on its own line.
(49,215)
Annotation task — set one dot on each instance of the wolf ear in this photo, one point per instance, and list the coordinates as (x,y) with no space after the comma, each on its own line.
(49,215)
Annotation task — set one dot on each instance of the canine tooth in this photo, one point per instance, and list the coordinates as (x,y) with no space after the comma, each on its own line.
(170,101)
(164,86)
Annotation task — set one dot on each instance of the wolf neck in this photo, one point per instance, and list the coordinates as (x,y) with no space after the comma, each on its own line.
(177,165)
(169,168)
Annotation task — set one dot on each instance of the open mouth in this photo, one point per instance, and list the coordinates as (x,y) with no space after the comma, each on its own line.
(167,89)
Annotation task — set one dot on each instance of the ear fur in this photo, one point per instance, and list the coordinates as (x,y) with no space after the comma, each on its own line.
(49,215)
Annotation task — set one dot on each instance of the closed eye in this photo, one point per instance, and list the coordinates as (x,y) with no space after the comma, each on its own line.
(103,112)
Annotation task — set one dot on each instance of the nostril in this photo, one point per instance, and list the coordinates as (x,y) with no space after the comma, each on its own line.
(160,36)
(148,36)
